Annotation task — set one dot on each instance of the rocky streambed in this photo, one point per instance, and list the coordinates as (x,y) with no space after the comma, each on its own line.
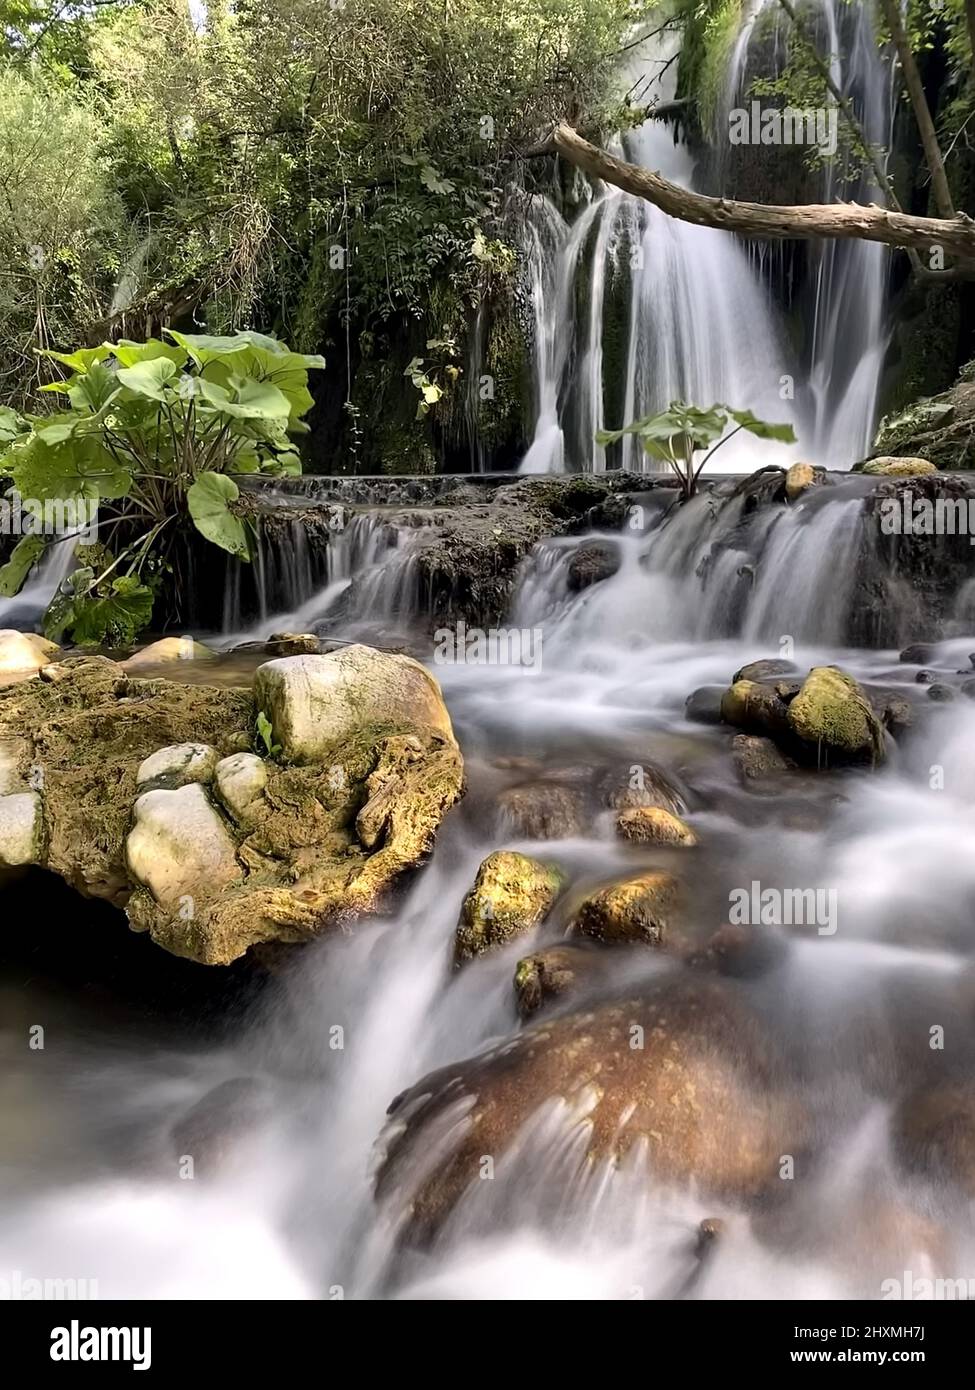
(644,970)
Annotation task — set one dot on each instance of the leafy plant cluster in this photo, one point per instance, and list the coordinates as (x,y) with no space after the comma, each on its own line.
(151,433)
(673,436)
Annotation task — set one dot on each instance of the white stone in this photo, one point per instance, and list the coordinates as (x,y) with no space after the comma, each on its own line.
(179,764)
(316,702)
(179,848)
(21,827)
(241,780)
(169,649)
(12,751)
(24,651)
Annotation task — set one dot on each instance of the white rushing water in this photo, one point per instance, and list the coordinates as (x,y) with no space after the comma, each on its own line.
(702,324)
(93,1187)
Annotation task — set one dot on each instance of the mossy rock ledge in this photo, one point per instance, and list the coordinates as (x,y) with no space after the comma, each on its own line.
(161,798)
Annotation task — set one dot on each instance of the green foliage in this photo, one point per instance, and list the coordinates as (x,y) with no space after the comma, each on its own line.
(673,436)
(26,552)
(152,430)
(265,733)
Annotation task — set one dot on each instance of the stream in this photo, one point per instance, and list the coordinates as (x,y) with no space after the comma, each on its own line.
(93,1184)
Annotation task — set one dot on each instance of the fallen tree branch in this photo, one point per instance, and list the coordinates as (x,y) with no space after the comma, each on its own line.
(842,221)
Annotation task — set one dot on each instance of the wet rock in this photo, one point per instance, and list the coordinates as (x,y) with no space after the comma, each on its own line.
(925,678)
(169,649)
(542,811)
(21,829)
(293,644)
(177,766)
(892,708)
(217,1124)
(241,780)
(315,702)
(557,972)
(918,654)
(511,895)
(682,1079)
(703,706)
(756,759)
(797,479)
(898,467)
(941,694)
(768,670)
(591,563)
(649,825)
(741,951)
(968,690)
(933,1132)
(179,848)
(641,909)
(642,784)
(24,651)
(755,709)
(832,717)
(14,758)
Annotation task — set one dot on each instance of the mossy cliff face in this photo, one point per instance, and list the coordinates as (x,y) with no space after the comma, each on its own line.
(206,870)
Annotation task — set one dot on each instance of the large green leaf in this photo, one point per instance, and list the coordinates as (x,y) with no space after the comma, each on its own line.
(209,500)
(762,429)
(26,553)
(150,377)
(82,360)
(244,398)
(11,425)
(78,468)
(129,354)
(255,355)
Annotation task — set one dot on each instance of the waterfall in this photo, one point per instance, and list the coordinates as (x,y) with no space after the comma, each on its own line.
(703,321)
(844,301)
(26,609)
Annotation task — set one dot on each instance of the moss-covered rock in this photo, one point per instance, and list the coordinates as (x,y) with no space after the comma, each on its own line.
(556,973)
(650,825)
(512,894)
(835,721)
(320,843)
(886,467)
(641,909)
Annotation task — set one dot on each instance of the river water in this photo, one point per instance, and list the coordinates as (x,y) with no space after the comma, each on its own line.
(95,1186)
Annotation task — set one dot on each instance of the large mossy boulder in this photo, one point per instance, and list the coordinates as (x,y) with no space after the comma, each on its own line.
(154,795)
(314,702)
(680,1084)
(512,894)
(833,718)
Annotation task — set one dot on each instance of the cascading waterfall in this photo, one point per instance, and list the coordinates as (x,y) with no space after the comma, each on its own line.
(703,323)
(845,299)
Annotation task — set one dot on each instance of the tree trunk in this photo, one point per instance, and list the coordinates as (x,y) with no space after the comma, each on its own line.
(956,235)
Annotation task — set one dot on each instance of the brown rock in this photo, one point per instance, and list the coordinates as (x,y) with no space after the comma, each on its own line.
(649,825)
(644,909)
